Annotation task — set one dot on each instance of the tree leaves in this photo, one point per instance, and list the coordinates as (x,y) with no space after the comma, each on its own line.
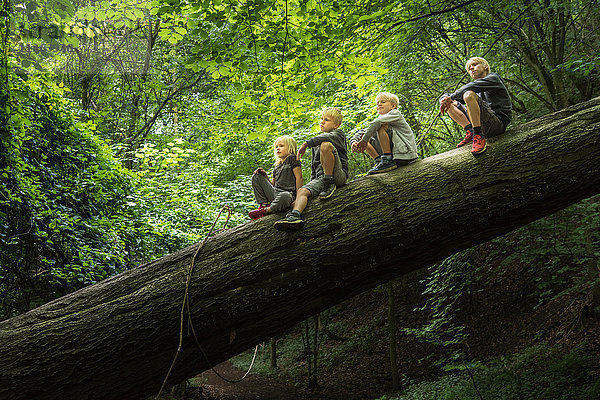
(62,199)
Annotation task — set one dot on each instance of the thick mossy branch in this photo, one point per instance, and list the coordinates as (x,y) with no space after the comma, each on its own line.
(116,339)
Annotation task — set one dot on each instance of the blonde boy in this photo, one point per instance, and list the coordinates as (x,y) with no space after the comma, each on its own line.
(388,139)
(329,167)
(482,107)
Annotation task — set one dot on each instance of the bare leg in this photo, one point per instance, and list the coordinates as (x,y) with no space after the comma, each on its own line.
(384,140)
(371,152)
(457,115)
(327,158)
(301,199)
(472,101)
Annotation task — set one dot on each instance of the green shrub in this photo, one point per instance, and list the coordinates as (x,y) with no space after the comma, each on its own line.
(534,374)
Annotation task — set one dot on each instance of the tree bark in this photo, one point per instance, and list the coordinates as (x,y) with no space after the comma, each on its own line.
(116,339)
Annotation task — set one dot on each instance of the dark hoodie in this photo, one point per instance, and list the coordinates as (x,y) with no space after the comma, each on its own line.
(492,90)
(338,140)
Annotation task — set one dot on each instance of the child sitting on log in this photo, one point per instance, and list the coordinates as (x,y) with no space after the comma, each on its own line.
(278,194)
(482,107)
(389,140)
(329,167)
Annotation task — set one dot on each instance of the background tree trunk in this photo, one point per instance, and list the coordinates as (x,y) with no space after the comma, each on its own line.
(392,326)
(116,339)
(273,353)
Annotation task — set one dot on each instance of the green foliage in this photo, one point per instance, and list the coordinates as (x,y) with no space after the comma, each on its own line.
(361,341)
(189,96)
(564,249)
(449,283)
(558,254)
(179,200)
(536,373)
(290,358)
(292,350)
(63,201)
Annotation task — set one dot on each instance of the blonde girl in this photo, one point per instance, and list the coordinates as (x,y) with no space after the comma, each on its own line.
(278,194)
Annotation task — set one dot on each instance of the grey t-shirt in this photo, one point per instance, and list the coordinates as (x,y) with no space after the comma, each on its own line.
(283,174)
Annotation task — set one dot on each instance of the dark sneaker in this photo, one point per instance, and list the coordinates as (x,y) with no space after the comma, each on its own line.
(258,213)
(468,139)
(479,144)
(291,222)
(327,191)
(386,164)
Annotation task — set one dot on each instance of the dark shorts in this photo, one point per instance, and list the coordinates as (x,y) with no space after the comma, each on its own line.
(374,141)
(491,125)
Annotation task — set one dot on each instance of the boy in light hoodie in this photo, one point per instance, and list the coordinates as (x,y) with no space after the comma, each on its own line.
(388,139)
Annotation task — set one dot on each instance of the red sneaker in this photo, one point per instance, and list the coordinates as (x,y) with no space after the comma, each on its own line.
(478,145)
(260,212)
(468,139)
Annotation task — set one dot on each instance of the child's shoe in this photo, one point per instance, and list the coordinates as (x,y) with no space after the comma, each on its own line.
(386,164)
(479,144)
(468,139)
(260,212)
(327,190)
(291,222)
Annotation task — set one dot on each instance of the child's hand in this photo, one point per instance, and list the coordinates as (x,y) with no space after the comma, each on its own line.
(261,171)
(301,151)
(354,148)
(445,104)
(360,146)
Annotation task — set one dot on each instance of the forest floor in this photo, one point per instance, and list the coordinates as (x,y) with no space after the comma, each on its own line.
(501,318)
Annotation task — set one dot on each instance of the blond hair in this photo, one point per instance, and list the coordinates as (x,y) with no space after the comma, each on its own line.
(334,113)
(479,60)
(289,142)
(387,96)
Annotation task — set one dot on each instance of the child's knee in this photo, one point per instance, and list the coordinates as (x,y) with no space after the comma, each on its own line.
(286,198)
(470,96)
(326,147)
(303,192)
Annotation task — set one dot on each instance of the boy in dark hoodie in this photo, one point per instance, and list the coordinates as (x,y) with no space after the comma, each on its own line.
(482,107)
(329,167)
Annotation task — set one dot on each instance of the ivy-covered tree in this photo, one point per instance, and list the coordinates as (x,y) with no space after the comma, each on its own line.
(66,219)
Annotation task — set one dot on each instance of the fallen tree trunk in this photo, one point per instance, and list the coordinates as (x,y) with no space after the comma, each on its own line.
(116,339)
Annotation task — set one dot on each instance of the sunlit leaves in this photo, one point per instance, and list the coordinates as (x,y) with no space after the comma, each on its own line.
(153,159)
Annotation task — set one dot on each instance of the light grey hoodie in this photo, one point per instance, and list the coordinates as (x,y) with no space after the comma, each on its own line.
(404,146)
